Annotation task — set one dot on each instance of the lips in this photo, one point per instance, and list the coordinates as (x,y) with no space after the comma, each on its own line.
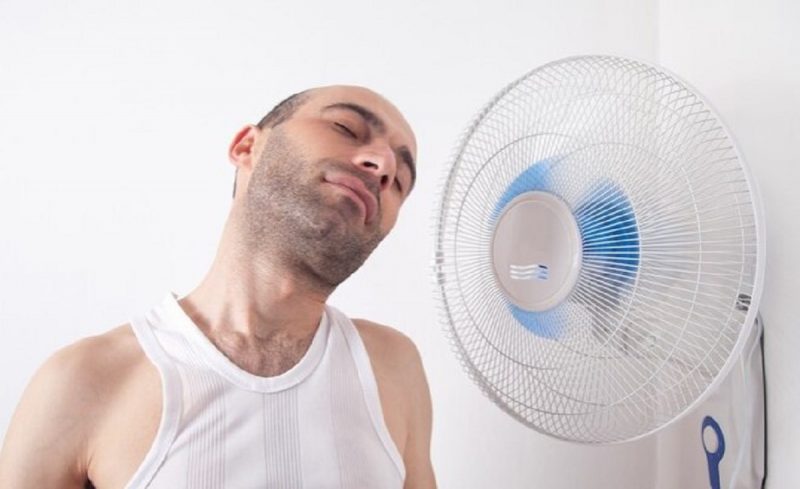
(357,187)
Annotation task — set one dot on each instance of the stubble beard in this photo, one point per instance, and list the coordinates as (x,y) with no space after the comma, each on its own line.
(291,218)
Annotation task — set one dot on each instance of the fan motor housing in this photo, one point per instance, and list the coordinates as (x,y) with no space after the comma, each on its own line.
(536,250)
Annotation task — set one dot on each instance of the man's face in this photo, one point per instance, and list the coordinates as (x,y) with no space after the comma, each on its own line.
(330,180)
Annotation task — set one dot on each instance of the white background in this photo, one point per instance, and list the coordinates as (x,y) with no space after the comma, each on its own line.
(114,184)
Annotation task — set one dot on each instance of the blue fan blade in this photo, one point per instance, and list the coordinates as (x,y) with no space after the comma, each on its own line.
(610,241)
(536,177)
(546,324)
(610,235)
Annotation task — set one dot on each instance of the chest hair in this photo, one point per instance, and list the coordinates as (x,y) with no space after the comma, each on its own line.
(268,356)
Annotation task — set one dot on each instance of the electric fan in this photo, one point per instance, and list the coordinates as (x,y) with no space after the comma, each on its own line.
(599,249)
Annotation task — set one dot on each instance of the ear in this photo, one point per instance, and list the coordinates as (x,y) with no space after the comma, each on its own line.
(241,152)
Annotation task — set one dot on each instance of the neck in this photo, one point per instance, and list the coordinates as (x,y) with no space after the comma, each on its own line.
(255,295)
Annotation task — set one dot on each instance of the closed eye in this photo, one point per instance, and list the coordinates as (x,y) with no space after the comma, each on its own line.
(345,129)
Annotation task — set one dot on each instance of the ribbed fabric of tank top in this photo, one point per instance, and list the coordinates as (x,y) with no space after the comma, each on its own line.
(319,425)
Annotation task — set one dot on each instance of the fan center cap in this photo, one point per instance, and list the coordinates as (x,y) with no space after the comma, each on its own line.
(536,250)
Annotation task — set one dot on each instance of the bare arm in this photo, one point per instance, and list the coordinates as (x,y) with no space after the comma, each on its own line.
(416,457)
(402,384)
(46,443)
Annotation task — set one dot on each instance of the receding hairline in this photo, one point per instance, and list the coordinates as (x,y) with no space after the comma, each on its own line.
(285,109)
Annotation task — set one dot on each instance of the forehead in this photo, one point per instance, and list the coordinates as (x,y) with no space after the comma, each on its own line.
(395,122)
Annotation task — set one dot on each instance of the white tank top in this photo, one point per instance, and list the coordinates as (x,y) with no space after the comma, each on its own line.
(319,425)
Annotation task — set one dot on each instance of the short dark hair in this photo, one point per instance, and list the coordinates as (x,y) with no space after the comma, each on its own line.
(283,111)
(279,114)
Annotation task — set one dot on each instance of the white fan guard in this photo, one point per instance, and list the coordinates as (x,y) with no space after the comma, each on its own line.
(668,269)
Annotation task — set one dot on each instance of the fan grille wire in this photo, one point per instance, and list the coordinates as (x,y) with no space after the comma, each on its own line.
(670,246)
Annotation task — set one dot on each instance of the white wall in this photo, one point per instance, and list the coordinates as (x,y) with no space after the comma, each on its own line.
(743,56)
(115,118)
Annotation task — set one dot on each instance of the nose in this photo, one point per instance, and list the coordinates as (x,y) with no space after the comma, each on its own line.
(378,160)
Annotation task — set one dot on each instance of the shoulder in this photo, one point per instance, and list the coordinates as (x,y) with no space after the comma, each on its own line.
(84,375)
(388,345)
(93,371)
(89,364)
(395,360)
(93,365)
(394,357)
(64,400)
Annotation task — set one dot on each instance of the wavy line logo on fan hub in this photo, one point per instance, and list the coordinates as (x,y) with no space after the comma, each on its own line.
(529,272)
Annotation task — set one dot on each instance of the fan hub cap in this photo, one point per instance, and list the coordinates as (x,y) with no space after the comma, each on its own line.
(536,250)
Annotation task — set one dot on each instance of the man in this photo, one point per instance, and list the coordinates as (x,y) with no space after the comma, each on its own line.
(251,380)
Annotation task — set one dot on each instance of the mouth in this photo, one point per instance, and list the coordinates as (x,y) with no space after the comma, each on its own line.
(358,192)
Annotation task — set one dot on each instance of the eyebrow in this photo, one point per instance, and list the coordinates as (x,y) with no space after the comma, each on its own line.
(380,127)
